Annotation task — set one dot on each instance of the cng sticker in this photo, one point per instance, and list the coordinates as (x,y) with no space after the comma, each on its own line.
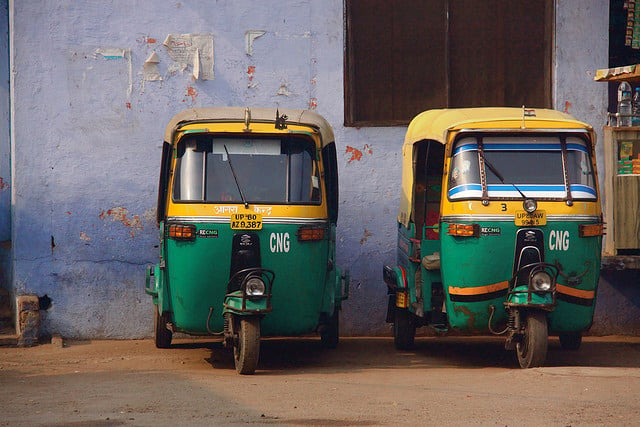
(279,242)
(559,240)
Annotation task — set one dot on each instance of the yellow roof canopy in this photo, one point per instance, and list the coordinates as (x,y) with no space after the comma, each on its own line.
(237,114)
(437,125)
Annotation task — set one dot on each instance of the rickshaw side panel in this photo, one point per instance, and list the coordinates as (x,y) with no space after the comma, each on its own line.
(577,285)
(473,279)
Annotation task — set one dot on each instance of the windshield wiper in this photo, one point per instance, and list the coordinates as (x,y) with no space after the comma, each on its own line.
(499,175)
(235,178)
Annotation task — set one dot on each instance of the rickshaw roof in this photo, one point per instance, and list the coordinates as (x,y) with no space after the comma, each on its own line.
(435,124)
(262,115)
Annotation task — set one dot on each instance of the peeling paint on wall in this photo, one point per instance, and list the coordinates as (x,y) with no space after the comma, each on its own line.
(195,50)
(249,38)
(192,93)
(150,70)
(567,105)
(251,71)
(111,53)
(283,90)
(366,236)
(356,155)
(120,214)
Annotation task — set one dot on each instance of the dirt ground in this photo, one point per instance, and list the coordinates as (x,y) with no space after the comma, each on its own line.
(451,381)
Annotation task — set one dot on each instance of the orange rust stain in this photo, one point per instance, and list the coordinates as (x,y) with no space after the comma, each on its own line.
(251,70)
(121,214)
(3,185)
(367,149)
(355,154)
(471,316)
(313,103)
(567,105)
(367,234)
(192,92)
(151,41)
(128,104)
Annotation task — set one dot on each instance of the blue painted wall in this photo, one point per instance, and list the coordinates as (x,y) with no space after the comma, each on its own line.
(5,150)
(88,131)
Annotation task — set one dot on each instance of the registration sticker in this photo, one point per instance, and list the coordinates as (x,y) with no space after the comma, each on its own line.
(524,218)
(246,221)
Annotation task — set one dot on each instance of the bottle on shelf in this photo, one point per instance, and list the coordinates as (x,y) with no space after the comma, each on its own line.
(635,107)
(624,104)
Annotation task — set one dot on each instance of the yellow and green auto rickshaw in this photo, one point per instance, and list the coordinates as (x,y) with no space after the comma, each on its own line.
(247,211)
(499,229)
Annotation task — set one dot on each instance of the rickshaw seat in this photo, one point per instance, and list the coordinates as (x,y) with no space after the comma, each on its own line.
(431,262)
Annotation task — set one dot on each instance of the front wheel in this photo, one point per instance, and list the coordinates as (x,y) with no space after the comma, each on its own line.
(570,340)
(532,349)
(162,335)
(404,329)
(246,347)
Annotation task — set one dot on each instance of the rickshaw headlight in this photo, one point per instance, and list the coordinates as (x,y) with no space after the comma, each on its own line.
(530,205)
(255,287)
(541,281)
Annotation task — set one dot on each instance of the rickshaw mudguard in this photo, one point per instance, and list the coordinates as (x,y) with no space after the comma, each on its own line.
(340,283)
(154,286)
(520,297)
(233,304)
(149,287)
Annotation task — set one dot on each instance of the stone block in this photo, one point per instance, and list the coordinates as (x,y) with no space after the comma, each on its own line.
(27,319)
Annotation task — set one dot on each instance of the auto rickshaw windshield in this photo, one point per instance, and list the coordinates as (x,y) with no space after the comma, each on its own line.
(532,165)
(268,170)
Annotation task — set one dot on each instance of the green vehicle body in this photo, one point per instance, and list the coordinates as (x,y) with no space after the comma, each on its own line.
(478,253)
(270,220)
(188,284)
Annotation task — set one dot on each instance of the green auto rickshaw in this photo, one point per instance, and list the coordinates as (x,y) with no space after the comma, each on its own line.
(499,230)
(247,211)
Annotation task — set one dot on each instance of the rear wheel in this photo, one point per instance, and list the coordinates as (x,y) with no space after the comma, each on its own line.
(330,333)
(532,349)
(404,329)
(571,341)
(162,334)
(246,348)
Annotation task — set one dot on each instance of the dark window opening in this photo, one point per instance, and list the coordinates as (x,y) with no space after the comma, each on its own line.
(407,56)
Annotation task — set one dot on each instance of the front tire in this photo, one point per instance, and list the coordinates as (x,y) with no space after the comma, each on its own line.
(162,335)
(571,340)
(246,348)
(532,349)
(404,329)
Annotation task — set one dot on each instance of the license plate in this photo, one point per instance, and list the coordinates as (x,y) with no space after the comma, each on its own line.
(524,218)
(246,221)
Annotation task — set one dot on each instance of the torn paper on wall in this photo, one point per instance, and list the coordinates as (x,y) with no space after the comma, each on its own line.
(150,70)
(111,53)
(192,50)
(249,37)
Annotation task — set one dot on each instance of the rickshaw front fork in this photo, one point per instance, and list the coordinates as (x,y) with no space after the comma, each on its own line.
(513,330)
(229,339)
